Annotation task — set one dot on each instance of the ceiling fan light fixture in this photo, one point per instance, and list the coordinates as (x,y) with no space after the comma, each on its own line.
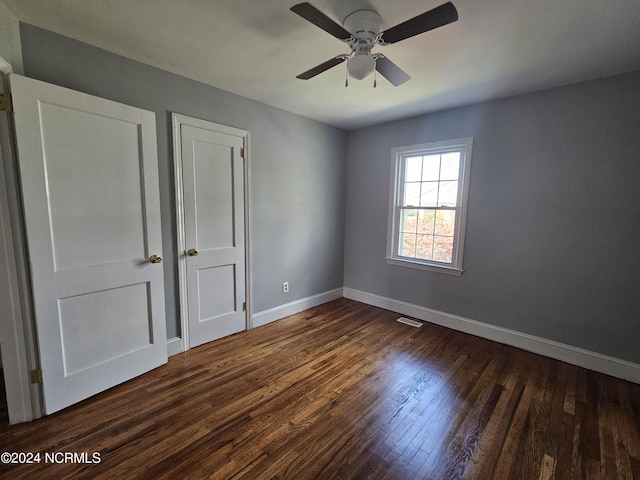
(361,66)
(361,32)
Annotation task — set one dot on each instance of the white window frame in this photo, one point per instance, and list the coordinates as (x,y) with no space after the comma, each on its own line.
(398,156)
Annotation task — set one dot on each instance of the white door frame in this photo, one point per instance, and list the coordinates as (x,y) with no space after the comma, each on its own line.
(178,120)
(17,334)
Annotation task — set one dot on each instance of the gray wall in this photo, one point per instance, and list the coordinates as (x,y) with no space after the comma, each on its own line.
(553,227)
(10,38)
(297,165)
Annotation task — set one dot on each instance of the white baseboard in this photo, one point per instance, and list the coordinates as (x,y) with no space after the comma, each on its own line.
(174,346)
(282,311)
(548,348)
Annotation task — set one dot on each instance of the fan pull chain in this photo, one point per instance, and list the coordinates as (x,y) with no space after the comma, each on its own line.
(346,78)
(375,71)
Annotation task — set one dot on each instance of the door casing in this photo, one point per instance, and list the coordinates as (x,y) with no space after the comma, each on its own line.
(178,120)
(17,334)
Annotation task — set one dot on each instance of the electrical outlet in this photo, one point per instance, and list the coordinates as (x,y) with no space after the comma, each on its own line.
(285,287)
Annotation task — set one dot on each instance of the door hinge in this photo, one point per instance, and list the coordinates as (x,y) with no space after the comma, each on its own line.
(35,376)
(242,152)
(244,306)
(6,102)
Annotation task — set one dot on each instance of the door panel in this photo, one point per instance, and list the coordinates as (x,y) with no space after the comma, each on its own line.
(216,296)
(88,169)
(113,215)
(91,326)
(213,192)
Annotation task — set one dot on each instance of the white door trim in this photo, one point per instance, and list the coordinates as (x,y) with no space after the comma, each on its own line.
(178,120)
(17,337)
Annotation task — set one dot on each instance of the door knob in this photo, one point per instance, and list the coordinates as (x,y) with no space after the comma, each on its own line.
(192,252)
(155,259)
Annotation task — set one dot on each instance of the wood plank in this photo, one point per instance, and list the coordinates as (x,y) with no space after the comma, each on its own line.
(576,471)
(566,434)
(508,452)
(343,391)
(628,424)
(569,405)
(531,445)
(605,422)
(547,469)
(483,462)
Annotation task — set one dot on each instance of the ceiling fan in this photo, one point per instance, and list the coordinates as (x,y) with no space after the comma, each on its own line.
(361,32)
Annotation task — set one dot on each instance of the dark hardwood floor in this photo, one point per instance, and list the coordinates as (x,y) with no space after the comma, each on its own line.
(343,391)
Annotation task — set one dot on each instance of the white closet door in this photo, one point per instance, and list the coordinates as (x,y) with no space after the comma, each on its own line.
(89,177)
(213,190)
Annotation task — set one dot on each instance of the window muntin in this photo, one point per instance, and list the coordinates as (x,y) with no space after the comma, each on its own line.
(428,205)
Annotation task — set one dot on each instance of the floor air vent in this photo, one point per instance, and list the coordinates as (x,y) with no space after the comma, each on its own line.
(408,321)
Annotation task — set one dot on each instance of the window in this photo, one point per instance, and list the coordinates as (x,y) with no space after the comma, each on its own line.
(428,205)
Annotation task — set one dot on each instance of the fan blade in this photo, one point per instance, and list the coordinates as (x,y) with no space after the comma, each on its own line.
(391,71)
(322,67)
(439,16)
(319,19)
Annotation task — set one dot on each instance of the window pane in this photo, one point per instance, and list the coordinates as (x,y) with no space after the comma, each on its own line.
(445,222)
(443,249)
(429,194)
(450,166)
(413,169)
(431,168)
(407,245)
(424,247)
(426,220)
(411,194)
(408,221)
(448,196)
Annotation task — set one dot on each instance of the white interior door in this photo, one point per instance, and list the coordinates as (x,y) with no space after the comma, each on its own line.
(213,203)
(89,178)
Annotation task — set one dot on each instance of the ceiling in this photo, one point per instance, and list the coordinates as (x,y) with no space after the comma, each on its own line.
(497,48)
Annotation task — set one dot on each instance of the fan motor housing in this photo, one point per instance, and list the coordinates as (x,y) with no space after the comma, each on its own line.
(364,25)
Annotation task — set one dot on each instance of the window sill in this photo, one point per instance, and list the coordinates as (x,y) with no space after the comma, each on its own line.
(424,266)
